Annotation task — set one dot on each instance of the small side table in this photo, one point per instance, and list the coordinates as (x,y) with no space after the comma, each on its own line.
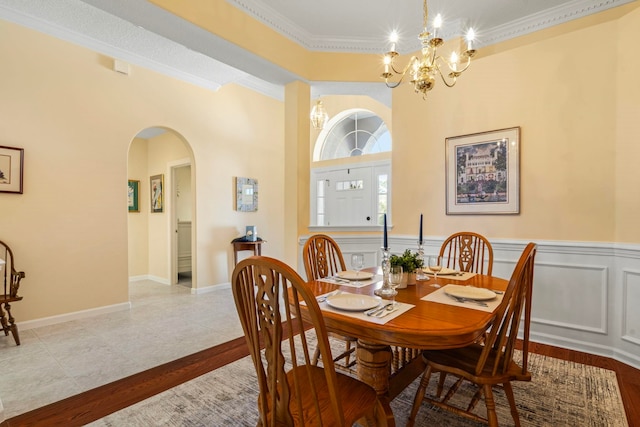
(238,246)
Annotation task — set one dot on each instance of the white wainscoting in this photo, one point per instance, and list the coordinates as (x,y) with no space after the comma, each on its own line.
(585,296)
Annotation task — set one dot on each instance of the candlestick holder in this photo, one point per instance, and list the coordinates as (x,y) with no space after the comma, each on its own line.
(386,291)
(420,275)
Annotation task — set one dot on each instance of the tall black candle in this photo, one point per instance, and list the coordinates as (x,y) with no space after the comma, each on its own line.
(385,243)
(420,238)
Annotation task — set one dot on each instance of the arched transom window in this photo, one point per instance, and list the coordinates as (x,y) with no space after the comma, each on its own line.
(352,133)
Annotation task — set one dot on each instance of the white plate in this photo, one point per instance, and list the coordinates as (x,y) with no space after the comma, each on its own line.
(352,302)
(469,292)
(353,275)
(444,272)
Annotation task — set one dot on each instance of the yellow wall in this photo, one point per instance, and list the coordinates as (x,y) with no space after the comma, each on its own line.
(627,128)
(565,92)
(76,118)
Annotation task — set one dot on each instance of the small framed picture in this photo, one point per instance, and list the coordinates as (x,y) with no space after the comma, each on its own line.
(133,195)
(483,173)
(157,193)
(246,194)
(11,169)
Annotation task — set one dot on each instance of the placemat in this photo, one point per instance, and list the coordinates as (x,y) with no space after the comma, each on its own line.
(441,297)
(400,308)
(352,283)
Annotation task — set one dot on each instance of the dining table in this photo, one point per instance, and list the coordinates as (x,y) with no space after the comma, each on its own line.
(424,318)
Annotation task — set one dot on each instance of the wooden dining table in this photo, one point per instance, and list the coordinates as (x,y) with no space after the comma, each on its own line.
(426,326)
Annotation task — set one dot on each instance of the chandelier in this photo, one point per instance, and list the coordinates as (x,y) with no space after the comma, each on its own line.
(318,115)
(423,70)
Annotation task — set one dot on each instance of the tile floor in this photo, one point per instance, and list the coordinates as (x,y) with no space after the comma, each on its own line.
(164,323)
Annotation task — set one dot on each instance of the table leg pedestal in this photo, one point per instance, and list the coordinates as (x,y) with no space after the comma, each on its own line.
(374,368)
(374,365)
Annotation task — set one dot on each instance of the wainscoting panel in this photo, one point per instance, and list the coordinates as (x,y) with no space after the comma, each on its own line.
(586,294)
(630,311)
(558,286)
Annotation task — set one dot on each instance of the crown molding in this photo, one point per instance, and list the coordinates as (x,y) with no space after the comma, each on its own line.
(548,18)
(316,42)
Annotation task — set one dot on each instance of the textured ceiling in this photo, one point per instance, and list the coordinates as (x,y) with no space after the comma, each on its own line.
(140,33)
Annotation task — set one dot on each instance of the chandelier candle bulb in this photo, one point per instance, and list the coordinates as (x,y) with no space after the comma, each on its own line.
(393,38)
(471,35)
(437,23)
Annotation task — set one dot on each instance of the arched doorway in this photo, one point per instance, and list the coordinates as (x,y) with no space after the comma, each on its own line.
(157,157)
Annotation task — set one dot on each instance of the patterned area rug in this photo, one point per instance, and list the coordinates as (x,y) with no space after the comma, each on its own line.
(561,394)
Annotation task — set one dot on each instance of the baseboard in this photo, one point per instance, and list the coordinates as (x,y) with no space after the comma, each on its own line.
(587,347)
(83,314)
(212,288)
(142,277)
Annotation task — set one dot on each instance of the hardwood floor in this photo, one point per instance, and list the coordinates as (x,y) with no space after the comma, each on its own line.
(94,404)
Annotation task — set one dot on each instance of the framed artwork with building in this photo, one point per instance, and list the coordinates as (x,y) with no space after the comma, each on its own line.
(11,169)
(483,173)
(156,186)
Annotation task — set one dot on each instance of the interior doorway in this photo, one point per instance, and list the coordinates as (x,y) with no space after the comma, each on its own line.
(181,220)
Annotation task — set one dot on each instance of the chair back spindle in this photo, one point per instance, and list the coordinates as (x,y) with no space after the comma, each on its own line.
(468,251)
(501,340)
(322,257)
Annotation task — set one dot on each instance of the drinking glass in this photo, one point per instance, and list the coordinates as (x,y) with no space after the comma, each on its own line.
(395,279)
(435,265)
(357,262)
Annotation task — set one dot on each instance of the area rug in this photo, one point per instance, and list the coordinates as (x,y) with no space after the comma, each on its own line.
(561,394)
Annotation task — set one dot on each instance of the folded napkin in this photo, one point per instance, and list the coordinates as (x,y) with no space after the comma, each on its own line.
(440,296)
(352,283)
(398,310)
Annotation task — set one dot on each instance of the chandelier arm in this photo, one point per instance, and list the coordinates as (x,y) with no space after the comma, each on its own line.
(466,65)
(444,79)
(406,68)
(458,71)
(395,85)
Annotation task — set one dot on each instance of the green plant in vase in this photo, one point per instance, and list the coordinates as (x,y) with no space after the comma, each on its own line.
(410,262)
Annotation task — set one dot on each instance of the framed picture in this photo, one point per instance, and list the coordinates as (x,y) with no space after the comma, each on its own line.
(157,193)
(11,169)
(246,194)
(133,196)
(483,173)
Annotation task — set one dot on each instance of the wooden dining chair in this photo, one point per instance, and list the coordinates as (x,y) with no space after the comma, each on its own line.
(11,282)
(323,258)
(490,363)
(469,252)
(294,392)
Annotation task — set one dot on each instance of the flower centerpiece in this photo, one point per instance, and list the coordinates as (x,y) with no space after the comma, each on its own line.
(410,262)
